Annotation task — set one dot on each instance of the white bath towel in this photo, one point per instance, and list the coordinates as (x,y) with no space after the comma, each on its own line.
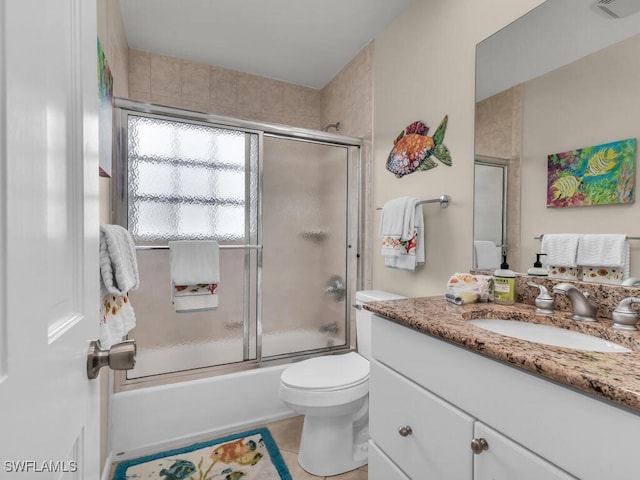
(195,275)
(561,249)
(118,261)
(402,232)
(397,218)
(604,250)
(118,276)
(488,255)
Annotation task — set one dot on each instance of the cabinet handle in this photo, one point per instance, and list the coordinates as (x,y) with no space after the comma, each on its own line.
(479,445)
(405,431)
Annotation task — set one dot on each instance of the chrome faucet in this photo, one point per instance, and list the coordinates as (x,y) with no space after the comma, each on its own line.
(583,309)
(625,317)
(544,301)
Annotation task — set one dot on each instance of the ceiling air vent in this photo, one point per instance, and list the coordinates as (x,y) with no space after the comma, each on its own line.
(618,8)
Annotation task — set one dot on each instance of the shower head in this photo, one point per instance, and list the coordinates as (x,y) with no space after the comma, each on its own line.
(334,125)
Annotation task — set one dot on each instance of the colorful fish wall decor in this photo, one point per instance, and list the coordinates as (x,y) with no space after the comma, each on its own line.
(412,149)
(599,175)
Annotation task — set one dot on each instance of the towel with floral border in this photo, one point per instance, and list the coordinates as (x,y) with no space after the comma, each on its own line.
(195,275)
(402,233)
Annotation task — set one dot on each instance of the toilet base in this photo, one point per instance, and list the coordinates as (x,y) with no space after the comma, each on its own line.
(334,445)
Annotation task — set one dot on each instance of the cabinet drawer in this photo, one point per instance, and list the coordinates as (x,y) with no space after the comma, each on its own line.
(438,445)
(381,468)
(506,460)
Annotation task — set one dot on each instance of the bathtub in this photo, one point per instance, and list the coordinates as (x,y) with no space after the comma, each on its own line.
(149,419)
(176,358)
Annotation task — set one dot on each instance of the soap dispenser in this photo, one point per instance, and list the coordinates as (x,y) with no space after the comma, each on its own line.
(504,284)
(538,270)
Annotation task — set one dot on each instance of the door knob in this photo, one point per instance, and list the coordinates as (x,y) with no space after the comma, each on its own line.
(121,356)
(405,431)
(479,445)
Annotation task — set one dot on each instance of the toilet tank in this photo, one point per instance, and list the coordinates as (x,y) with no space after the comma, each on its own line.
(363,317)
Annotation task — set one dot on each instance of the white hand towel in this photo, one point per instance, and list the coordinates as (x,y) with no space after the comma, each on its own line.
(118,276)
(604,250)
(561,249)
(195,275)
(409,254)
(488,255)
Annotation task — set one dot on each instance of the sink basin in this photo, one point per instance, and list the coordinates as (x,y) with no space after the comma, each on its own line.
(548,335)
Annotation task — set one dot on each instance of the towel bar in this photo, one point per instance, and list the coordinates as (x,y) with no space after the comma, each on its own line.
(443,200)
(539,237)
(222,247)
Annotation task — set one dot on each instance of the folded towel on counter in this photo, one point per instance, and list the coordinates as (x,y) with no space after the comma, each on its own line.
(605,252)
(195,275)
(488,255)
(118,276)
(561,249)
(402,232)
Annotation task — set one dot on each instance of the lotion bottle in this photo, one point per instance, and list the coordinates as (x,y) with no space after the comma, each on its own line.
(538,270)
(504,284)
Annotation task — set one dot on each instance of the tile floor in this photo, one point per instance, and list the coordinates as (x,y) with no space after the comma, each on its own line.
(286,433)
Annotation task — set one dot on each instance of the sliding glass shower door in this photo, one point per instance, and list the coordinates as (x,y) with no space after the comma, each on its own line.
(305,225)
(282,212)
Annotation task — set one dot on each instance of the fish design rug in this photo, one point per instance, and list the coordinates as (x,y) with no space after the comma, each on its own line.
(250,455)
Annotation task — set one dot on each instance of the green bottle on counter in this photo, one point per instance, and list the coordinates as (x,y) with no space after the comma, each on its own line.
(504,284)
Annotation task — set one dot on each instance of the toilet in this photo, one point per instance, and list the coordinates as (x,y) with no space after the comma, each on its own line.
(332,392)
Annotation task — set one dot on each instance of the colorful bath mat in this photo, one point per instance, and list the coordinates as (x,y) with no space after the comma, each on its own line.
(251,455)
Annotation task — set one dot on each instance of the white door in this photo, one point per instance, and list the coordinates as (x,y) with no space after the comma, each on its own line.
(49,292)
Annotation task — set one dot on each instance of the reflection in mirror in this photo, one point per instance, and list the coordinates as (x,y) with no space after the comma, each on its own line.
(544,88)
(489,220)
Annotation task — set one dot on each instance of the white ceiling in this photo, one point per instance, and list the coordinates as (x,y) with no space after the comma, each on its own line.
(303,42)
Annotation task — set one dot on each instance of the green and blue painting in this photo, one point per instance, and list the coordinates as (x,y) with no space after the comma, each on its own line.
(599,175)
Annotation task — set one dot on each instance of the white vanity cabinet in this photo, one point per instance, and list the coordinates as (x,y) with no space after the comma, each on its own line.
(449,396)
(506,460)
(417,430)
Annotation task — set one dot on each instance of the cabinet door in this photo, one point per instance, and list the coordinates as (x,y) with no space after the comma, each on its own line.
(381,467)
(437,447)
(506,460)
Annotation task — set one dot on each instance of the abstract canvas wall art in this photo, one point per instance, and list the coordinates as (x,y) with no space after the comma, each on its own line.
(599,175)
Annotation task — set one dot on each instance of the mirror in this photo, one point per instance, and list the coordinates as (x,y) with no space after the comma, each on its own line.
(562,77)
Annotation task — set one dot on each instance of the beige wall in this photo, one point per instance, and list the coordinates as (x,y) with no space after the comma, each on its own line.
(594,100)
(424,69)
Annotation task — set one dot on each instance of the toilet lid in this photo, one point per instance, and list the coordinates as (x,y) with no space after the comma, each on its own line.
(327,373)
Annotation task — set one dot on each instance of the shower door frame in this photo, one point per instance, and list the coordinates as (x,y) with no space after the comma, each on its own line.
(353,281)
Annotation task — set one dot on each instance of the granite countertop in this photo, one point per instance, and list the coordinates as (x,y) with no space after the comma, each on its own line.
(611,376)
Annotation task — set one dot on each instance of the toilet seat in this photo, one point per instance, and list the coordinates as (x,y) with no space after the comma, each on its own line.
(328,373)
(326,381)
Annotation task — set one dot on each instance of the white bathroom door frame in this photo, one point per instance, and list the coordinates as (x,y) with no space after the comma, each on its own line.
(49,291)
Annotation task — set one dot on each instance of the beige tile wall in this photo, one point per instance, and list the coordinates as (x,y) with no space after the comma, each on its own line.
(498,133)
(184,84)
(348,99)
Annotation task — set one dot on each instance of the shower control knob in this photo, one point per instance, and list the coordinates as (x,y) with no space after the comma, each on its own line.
(479,445)
(405,431)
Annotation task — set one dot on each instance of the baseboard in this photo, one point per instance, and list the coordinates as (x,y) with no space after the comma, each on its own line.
(106,468)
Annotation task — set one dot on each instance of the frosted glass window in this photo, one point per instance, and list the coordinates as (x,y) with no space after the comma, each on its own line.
(187,180)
